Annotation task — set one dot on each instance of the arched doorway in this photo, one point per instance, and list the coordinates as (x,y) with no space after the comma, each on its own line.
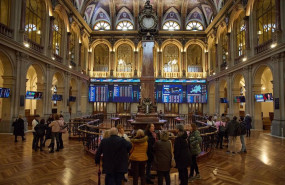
(72,97)
(238,93)
(34,92)
(212,99)
(57,93)
(263,103)
(7,86)
(223,97)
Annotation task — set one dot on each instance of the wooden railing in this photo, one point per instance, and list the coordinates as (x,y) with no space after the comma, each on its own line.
(5,30)
(171,74)
(57,58)
(194,74)
(124,74)
(263,47)
(223,66)
(238,60)
(100,74)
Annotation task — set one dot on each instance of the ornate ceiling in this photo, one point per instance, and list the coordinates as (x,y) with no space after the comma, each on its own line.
(181,11)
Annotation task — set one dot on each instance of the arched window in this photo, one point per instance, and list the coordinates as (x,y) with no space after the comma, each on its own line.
(240,35)
(5,6)
(194,26)
(72,46)
(101,58)
(171,58)
(124,58)
(102,25)
(194,58)
(265,19)
(57,34)
(224,44)
(171,26)
(125,25)
(34,20)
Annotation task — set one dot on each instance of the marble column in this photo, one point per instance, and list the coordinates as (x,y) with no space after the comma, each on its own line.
(184,65)
(217,58)
(278,33)
(217,96)
(206,61)
(229,48)
(160,67)
(79,56)
(41,102)
(49,92)
(68,47)
(235,106)
(136,57)
(51,23)
(229,95)
(112,63)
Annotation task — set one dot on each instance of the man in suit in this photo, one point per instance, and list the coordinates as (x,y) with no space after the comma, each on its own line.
(115,157)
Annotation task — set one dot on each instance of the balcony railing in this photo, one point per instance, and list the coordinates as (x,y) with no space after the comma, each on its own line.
(6,31)
(238,59)
(34,45)
(100,74)
(171,74)
(263,47)
(124,74)
(57,58)
(224,66)
(194,75)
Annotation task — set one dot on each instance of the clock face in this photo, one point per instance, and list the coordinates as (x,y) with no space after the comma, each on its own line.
(148,22)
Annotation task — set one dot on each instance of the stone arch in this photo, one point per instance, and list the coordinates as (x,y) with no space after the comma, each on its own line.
(124,58)
(6,81)
(101,41)
(58,87)
(124,41)
(222,27)
(171,41)
(101,57)
(238,84)
(234,15)
(195,57)
(195,41)
(263,84)
(171,55)
(63,15)
(35,81)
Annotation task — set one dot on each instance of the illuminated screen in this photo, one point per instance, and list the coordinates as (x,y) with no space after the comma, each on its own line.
(123,93)
(172,93)
(259,98)
(98,93)
(4,92)
(56,97)
(196,93)
(34,95)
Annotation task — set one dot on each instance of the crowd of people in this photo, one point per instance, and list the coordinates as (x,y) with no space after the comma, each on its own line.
(42,130)
(149,150)
(231,129)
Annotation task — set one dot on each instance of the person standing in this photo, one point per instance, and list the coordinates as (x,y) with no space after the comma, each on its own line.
(19,126)
(34,123)
(115,157)
(194,140)
(232,134)
(138,157)
(121,132)
(149,132)
(61,131)
(210,121)
(40,133)
(182,154)
(248,121)
(242,135)
(162,157)
(55,128)
(221,128)
(48,129)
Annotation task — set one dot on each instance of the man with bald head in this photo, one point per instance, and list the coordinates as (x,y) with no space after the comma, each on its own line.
(115,157)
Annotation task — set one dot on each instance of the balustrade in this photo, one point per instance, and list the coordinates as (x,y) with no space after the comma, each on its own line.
(6,31)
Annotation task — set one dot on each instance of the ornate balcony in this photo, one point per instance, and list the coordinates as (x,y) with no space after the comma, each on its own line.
(124,74)
(194,75)
(223,66)
(171,74)
(263,47)
(57,58)
(100,74)
(34,45)
(238,59)
(6,31)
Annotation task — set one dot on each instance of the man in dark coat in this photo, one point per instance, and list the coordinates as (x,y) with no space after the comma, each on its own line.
(231,130)
(115,157)
(19,126)
(248,121)
(182,154)
(40,133)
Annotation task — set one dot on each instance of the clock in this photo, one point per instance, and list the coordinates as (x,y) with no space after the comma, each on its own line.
(148,22)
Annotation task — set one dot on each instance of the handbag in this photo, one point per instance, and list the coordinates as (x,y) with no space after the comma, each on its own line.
(173,163)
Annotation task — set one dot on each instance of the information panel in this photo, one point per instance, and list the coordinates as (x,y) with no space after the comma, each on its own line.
(123,93)
(98,93)
(172,94)
(196,93)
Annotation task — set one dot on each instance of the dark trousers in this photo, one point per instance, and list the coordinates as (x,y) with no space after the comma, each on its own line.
(148,169)
(60,140)
(247,132)
(114,179)
(54,135)
(41,139)
(183,176)
(23,138)
(194,166)
(164,174)
(34,140)
(220,140)
(138,169)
